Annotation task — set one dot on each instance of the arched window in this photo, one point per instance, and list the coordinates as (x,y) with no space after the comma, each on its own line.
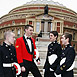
(37,26)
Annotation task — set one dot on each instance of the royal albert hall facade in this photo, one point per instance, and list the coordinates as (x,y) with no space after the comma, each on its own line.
(59,18)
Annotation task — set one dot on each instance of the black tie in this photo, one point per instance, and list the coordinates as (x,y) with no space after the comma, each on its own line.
(28,37)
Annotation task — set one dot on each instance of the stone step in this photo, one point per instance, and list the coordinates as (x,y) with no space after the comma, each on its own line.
(75,70)
(75,75)
(43,55)
(42,49)
(42,46)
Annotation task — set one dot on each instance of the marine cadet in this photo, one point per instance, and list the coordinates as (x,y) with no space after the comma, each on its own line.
(8,56)
(53,55)
(68,56)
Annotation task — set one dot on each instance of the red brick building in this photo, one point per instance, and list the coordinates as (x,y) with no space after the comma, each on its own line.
(59,18)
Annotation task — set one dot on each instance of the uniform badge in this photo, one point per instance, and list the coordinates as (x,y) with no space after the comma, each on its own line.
(64,65)
(61,68)
(17,46)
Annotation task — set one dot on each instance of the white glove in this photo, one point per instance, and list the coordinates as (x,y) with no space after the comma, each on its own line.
(57,75)
(43,71)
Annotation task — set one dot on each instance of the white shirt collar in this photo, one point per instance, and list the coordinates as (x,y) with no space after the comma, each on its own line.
(25,36)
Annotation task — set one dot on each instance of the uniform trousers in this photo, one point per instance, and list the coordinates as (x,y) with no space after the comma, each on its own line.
(9,72)
(49,73)
(67,74)
(31,66)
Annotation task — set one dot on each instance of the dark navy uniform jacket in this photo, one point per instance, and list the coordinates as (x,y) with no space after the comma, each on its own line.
(53,48)
(7,55)
(69,53)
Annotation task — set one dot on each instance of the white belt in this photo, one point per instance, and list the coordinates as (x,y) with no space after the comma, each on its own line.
(51,69)
(16,65)
(7,64)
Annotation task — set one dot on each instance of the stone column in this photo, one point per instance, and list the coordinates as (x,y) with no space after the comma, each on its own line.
(2,35)
(45,33)
(45,26)
(15,32)
(21,31)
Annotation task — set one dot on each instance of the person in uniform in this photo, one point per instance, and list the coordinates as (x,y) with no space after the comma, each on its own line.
(68,56)
(53,55)
(27,52)
(8,56)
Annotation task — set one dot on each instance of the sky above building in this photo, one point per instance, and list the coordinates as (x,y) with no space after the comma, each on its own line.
(7,5)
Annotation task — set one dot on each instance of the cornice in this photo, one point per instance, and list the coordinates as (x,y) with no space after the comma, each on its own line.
(72,28)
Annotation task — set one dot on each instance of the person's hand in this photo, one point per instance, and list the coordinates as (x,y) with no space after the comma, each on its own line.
(43,71)
(38,62)
(23,69)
